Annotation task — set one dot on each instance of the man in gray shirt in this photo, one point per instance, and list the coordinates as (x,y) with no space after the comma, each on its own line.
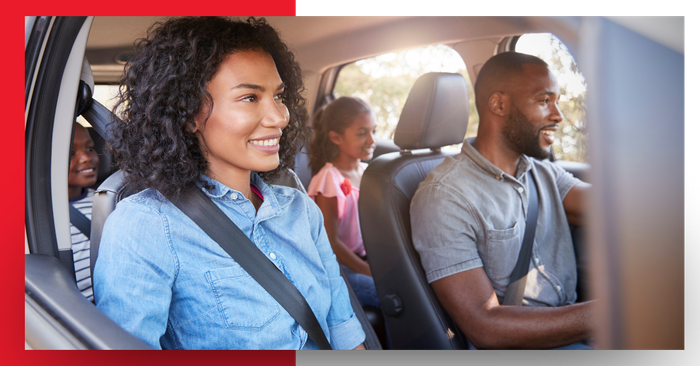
(468,217)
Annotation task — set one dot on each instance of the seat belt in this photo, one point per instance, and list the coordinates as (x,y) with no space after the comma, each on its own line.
(200,209)
(214,222)
(518,279)
(79,220)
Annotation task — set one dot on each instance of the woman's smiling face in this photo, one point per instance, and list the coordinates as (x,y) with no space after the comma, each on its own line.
(242,133)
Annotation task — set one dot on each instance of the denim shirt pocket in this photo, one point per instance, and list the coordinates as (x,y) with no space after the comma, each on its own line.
(243,303)
(502,249)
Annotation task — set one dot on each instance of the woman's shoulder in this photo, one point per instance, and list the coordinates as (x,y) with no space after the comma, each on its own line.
(140,206)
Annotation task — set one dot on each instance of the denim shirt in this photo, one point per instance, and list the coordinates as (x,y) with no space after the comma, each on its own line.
(161,278)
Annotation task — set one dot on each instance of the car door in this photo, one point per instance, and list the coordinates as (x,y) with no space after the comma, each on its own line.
(57,316)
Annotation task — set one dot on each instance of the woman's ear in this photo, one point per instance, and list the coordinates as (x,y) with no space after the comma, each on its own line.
(335,137)
(195,125)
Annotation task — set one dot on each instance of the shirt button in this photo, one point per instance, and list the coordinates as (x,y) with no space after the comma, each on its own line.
(537,261)
(558,288)
(234,196)
(520,189)
(273,256)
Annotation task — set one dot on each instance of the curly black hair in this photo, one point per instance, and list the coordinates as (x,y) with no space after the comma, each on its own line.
(164,87)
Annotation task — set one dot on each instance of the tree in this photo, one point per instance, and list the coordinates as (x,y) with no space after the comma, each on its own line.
(385,81)
(570,138)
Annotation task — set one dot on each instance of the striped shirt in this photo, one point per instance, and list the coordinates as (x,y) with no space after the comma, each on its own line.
(81,244)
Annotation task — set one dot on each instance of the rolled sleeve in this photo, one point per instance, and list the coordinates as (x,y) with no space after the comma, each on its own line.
(347,335)
(565,180)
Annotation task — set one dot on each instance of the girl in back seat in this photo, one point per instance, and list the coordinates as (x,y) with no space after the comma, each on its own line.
(344,136)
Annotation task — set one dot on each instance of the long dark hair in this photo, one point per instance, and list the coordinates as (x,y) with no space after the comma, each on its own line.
(336,116)
(164,87)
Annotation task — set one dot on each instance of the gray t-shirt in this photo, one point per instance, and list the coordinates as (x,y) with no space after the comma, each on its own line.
(468,214)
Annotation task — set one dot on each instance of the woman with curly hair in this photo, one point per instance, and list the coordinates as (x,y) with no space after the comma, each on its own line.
(214,104)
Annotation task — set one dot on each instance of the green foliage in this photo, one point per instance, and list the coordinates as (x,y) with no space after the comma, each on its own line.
(385,81)
(570,139)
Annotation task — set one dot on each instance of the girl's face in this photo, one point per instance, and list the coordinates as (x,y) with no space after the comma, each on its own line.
(244,129)
(359,140)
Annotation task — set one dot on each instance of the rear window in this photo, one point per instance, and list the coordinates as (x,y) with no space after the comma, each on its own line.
(105,94)
(384,82)
(570,139)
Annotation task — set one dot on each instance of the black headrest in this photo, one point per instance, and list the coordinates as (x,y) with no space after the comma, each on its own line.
(436,112)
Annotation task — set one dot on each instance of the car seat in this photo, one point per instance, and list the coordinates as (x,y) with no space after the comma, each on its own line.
(435,115)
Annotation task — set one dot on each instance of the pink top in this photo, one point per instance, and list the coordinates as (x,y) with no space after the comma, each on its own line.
(257,192)
(331,183)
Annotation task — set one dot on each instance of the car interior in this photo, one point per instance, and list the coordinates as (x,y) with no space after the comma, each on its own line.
(66,57)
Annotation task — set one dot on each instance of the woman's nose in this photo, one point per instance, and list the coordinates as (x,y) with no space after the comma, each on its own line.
(277,115)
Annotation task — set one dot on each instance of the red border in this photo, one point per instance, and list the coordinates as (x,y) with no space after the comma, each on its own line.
(13,181)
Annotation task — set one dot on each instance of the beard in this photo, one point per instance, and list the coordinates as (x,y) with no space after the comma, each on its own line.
(522,136)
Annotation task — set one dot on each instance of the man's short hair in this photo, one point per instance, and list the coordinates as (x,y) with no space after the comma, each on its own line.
(501,67)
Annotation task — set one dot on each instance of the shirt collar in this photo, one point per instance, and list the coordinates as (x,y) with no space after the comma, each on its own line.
(274,199)
(524,163)
(83,194)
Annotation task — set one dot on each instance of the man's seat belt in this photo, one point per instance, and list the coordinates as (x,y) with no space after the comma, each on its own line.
(518,279)
(214,222)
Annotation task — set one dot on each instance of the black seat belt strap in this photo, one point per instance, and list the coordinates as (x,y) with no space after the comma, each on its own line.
(214,222)
(518,279)
(79,220)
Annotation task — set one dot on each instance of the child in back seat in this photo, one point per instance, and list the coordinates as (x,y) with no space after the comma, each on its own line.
(344,136)
(82,173)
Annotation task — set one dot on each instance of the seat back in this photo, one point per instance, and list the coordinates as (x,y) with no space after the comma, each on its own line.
(435,115)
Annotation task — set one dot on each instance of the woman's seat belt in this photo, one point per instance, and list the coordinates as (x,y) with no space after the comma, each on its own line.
(214,222)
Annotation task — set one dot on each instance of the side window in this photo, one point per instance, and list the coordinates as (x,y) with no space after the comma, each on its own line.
(570,139)
(384,82)
(105,94)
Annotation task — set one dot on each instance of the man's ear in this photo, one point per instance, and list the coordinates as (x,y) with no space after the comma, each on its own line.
(499,103)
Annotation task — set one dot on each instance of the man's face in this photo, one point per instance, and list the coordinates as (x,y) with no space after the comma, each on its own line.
(534,113)
(522,135)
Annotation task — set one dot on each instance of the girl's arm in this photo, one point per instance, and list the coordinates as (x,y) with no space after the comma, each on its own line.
(329,208)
